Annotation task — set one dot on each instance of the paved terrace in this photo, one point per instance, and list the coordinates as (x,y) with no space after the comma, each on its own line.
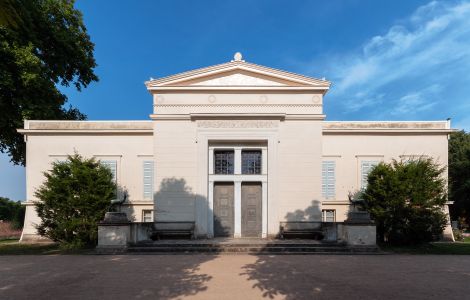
(234,277)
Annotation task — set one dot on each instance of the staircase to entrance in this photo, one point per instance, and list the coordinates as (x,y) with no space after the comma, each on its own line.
(248,246)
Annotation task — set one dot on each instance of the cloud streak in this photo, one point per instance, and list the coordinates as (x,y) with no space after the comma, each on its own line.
(409,68)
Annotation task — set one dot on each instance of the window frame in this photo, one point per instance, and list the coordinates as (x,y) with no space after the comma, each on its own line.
(151,211)
(230,169)
(324,216)
(260,162)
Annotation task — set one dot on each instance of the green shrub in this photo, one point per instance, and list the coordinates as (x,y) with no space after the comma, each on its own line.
(12,212)
(458,235)
(405,198)
(73,199)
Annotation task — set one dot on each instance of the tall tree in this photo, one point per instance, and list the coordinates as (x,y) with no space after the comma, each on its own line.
(459,174)
(43,44)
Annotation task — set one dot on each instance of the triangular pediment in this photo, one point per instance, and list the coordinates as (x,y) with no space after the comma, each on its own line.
(237,78)
(237,74)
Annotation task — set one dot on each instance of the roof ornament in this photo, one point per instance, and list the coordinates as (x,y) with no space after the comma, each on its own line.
(238,57)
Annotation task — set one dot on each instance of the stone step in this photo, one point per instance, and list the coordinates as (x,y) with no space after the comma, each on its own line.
(304,249)
(219,245)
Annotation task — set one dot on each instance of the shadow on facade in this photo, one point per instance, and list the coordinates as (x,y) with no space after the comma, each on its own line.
(311,213)
(126,205)
(175,201)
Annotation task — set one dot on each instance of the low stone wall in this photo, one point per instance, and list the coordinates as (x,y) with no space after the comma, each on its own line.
(140,232)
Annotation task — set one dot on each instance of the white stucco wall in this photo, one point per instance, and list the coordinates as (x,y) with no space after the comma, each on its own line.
(129,150)
(176,162)
(299,167)
(348,150)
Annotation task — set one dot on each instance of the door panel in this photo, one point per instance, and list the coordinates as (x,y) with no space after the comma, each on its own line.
(223,209)
(251,209)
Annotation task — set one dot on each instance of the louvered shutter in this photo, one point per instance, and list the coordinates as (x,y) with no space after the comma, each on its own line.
(112,165)
(328,179)
(148,179)
(366,167)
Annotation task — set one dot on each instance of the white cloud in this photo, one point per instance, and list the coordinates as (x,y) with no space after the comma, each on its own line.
(416,102)
(411,65)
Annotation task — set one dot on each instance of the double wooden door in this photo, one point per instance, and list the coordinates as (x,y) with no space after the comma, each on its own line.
(251,209)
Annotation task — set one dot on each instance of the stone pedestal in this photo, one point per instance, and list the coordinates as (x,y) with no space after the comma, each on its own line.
(359,229)
(114,232)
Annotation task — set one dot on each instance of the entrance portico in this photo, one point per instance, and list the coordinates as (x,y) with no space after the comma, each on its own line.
(234,170)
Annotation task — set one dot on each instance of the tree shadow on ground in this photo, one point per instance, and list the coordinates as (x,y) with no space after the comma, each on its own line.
(277,277)
(161,278)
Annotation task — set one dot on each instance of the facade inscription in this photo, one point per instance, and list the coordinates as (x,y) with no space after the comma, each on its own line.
(237,124)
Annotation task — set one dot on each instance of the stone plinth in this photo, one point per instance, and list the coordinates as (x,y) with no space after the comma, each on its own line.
(359,229)
(114,231)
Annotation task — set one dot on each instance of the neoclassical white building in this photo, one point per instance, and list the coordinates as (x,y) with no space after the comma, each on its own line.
(236,148)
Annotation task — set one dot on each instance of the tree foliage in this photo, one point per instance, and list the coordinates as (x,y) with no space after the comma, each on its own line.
(459,174)
(405,198)
(73,199)
(12,211)
(43,44)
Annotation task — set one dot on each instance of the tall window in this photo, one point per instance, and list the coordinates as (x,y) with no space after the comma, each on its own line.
(328,179)
(223,161)
(148,179)
(366,167)
(251,162)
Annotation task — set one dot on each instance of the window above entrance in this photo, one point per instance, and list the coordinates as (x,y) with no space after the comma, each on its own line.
(235,159)
(251,162)
(224,162)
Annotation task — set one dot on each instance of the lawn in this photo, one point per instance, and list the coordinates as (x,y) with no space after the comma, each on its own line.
(457,248)
(14,247)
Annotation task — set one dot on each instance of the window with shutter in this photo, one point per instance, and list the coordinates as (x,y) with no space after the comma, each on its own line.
(148,179)
(366,167)
(112,165)
(328,179)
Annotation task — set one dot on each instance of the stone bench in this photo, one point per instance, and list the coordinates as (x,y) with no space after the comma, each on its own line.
(173,229)
(299,229)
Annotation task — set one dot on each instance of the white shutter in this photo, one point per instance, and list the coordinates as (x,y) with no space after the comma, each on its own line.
(366,167)
(328,179)
(148,179)
(112,165)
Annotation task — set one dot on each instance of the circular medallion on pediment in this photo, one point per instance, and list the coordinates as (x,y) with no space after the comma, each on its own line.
(263,99)
(160,99)
(316,99)
(211,99)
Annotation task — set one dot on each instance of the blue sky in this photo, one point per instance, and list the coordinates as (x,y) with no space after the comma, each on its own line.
(388,60)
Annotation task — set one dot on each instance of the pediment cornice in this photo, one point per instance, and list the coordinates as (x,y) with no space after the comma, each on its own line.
(237,75)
